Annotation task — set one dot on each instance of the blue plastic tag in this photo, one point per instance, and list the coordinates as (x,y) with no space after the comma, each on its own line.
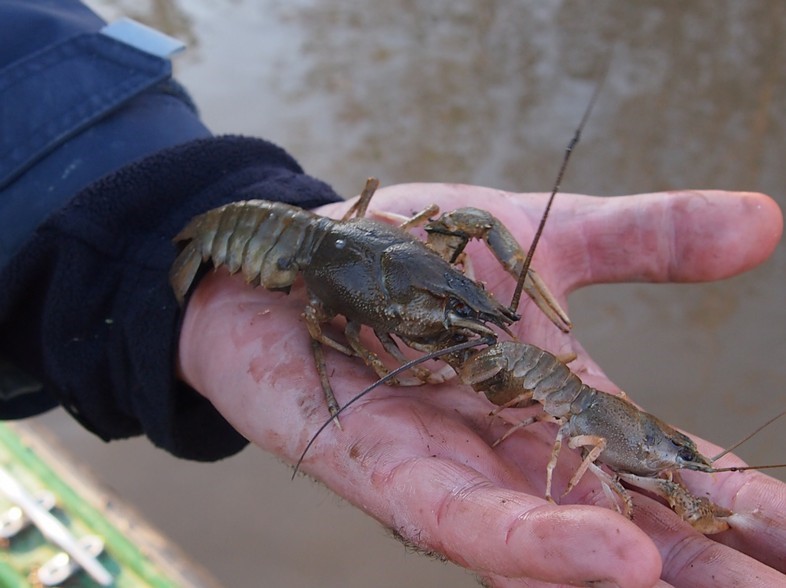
(143,37)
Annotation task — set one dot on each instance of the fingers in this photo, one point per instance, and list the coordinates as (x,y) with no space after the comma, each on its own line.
(450,508)
(672,236)
(684,236)
(758,501)
(509,534)
(758,527)
(691,559)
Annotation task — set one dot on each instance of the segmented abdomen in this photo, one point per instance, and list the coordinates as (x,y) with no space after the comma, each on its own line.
(269,241)
(512,370)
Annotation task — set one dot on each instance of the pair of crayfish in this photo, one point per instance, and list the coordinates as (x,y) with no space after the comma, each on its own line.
(379,275)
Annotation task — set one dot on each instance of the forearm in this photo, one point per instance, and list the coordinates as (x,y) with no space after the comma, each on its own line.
(86,308)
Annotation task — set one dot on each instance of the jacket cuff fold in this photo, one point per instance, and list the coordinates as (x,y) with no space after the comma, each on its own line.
(99,270)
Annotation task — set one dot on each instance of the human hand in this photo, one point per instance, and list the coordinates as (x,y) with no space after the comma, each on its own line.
(419,459)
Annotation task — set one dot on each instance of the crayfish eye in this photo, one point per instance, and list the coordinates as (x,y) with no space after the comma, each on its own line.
(686,454)
(460,308)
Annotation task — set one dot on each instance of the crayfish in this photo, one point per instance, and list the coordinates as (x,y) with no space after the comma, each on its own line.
(378,275)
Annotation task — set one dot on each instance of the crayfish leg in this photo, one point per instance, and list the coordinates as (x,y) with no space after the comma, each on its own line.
(314,315)
(553,460)
(422,374)
(568,357)
(515,427)
(519,401)
(327,389)
(611,484)
(597,445)
(371,359)
(419,218)
(360,206)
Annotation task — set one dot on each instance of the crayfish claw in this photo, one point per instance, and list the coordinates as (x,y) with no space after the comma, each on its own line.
(698,511)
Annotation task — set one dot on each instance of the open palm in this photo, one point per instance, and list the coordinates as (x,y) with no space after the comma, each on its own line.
(419,459)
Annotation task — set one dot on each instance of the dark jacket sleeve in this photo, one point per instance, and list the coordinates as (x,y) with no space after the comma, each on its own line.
(87,318)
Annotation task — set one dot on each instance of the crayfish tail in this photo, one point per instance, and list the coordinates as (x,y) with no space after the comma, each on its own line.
(184,270)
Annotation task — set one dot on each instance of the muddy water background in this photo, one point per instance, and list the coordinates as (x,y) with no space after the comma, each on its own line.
(486,93)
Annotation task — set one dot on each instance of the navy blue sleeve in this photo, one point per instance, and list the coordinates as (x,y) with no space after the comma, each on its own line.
(87,318)
(76,105)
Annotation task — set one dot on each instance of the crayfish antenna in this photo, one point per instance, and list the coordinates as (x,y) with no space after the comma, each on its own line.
(514,303)
(744,439)
(769,466)
(387,378)
(740,442)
